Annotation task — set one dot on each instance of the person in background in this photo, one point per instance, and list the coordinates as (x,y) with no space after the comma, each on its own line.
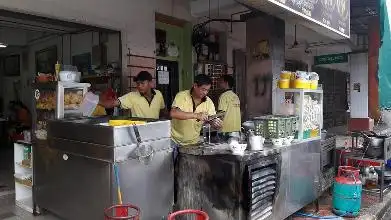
(229,103)
(190,110)
(145,103)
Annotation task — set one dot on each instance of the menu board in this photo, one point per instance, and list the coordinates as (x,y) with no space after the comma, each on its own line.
(335,14)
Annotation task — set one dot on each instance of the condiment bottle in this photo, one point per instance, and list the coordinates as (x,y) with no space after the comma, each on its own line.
(57,67)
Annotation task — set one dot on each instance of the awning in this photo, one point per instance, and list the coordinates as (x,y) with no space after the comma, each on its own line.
(329,18)
(384,72)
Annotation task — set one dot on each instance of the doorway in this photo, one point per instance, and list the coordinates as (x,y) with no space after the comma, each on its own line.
(167,80)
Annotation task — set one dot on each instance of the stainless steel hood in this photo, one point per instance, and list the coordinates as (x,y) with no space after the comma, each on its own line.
(329,18)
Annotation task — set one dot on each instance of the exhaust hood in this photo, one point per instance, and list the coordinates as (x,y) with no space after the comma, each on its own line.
(327,17)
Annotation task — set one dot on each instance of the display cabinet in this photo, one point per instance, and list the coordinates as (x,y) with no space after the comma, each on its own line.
(52,100)
(307,104)
(23,175)
(56,100)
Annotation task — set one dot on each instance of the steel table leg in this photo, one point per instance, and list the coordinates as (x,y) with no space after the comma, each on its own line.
(382,181)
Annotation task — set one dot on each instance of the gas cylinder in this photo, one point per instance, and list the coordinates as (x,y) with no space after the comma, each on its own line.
(347,192)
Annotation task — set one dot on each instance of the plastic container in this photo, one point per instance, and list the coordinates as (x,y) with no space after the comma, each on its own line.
(89,104)
(67,76)
(314,133)
(286,75)
(314,84)
(283,83)
(300,84)
(306,134)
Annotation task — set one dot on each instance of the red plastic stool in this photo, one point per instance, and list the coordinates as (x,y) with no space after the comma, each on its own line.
(200,215)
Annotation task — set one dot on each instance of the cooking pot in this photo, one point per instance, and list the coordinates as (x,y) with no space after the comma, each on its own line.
(373,144)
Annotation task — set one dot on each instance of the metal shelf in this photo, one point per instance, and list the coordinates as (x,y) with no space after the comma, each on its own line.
(303,90)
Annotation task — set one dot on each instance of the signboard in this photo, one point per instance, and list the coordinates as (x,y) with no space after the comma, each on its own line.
(331,58)
(332,14)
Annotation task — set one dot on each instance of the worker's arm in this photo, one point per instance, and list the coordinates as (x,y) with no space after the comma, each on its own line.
(177,113)
(109,103)
(216,123)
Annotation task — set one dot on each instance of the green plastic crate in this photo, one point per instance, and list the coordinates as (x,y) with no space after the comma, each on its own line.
(271,126)
(292,125)
(260,124)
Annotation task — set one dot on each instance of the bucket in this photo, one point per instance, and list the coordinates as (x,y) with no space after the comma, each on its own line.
(300,84)
(285,75)
(89,104)
(199,215)
(122,212)
(283,83)
(314,84)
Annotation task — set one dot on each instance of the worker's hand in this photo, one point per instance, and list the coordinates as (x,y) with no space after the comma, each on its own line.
(108,102)
(217,123)
(201,116)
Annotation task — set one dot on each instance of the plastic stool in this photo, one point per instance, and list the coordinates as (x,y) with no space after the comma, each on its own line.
(200,215)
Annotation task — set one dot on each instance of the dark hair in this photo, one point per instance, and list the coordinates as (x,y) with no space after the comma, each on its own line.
(229,79)
(143,76)
(202,79)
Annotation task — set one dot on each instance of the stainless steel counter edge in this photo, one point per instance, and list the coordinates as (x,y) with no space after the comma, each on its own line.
(106,153)
(223,149)
(91,130)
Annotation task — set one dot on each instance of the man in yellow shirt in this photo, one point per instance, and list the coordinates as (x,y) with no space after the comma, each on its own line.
(190,110)
(145,103)
(229,103)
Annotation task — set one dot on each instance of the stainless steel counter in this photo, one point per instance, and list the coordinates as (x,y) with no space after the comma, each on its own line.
(74,176)
(298,182)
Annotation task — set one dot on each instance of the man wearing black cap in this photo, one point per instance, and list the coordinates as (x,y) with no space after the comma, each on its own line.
(145,103)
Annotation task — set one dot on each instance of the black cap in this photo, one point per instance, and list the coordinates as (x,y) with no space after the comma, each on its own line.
(143,76)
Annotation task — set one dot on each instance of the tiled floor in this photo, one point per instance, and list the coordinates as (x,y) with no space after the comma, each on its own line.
(8,210)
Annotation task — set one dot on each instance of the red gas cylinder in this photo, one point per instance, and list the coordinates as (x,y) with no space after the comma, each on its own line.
(348,175)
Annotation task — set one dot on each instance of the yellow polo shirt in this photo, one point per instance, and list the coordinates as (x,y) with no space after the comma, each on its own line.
(229,103)
(139,105)
(186,132)
(99,111)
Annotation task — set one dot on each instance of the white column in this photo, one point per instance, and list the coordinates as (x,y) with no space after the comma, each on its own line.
(359,77)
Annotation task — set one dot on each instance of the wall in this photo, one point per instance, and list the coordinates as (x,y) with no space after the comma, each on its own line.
(263,72)
(236,40)
(80,43)
(373,58)
(134,18)
(181,37)
(359,74)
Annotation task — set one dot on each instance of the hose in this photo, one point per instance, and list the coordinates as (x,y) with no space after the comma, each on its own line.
(318,217)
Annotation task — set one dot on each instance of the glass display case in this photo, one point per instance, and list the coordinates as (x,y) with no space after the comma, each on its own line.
(307,104)
(69,99)
(55,100)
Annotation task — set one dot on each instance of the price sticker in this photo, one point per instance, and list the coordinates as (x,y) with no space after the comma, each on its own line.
(37,94)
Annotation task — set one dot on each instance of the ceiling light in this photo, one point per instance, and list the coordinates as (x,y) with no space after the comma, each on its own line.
(2,45)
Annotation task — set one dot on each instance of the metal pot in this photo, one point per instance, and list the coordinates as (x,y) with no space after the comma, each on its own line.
(373,144)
